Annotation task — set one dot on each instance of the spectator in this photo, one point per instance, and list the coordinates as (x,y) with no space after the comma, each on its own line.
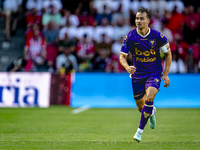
(34,4)
(113,64)
(66,61)
(174,21)
(30,32)
(85,12)
(56,3)
(41,63)
(132,19)
(116,46)
(179,46)
(166,32)
(35,50)
(190,61)
(17,65)
(34,13)
(85,30)
(51,33)
(85,51)
(195,49)
(175,3)
(52,16)
(33,17)
(103,9)
(101,61)
(103,44)
(120,29)
(103,53)
(70,30)
(192,21)
(158,5)
(11,6)
(121,10)
(139,3)
(86,7)
(66,43)
(104,29)
(73,19)
(156,21)
(85,17)
(177,64)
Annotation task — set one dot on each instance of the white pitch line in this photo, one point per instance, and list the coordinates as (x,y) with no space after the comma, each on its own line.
(80,109)
(98,140)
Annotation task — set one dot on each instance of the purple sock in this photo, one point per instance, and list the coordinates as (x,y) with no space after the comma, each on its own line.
(146,112)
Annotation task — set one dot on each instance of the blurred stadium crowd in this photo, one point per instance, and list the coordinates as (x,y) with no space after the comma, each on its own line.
(86,35)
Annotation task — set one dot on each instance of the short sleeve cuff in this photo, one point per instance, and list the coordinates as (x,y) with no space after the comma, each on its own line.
(124,53)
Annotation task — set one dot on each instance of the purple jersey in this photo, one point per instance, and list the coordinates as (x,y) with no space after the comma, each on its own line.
(145,51)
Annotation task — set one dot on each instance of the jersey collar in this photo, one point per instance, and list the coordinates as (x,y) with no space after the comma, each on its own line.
(145,35)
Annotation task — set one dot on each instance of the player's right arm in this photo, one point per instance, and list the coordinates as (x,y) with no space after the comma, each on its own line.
(126,46)
(123,62)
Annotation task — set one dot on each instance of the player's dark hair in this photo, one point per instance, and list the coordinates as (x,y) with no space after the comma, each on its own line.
(142,10)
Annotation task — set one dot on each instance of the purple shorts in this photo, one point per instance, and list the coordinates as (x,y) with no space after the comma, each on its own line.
(141,84)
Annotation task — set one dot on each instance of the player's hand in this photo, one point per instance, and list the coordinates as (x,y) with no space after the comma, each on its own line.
(166,81)
(131,69)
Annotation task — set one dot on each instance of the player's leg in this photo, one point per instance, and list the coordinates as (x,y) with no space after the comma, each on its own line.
(139,93)
(140,103)
(152,87)
(151,93)
(148,106)
(146,112)
(139,96)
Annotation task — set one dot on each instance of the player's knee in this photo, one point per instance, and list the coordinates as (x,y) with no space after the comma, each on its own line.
(140,108)
(150,98)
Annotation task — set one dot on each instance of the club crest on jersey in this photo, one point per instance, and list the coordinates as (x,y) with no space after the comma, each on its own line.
(156,80)
(152,42)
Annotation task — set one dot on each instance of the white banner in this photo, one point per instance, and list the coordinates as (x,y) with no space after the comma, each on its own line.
(25,89)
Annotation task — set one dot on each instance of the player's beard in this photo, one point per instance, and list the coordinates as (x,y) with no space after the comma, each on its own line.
(140,28)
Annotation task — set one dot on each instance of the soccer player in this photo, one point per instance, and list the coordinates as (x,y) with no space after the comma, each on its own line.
(145,44)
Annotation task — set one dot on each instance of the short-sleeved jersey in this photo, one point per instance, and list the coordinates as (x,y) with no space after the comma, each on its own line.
(35,47)
(145,51)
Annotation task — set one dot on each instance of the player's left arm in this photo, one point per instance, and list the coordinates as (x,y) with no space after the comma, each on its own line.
(168,57)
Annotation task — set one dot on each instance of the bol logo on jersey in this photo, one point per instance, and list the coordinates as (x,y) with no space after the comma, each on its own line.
(145,53)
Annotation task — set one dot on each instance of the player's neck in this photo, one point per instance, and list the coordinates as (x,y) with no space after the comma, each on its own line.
(144,31)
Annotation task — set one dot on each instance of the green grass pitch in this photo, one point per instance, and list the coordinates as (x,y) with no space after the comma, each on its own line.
(96,129)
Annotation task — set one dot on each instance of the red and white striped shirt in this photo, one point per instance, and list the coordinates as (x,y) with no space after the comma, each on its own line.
(35,47)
